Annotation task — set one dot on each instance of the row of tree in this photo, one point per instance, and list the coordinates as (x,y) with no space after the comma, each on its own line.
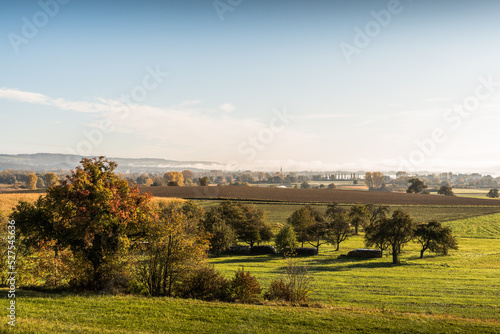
(307,224)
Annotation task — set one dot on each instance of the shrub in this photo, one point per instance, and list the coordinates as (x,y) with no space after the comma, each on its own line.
(293,287)
(245,286)
(205,283)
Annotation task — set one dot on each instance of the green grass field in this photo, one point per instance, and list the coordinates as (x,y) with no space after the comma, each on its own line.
(458,293)
(47,313)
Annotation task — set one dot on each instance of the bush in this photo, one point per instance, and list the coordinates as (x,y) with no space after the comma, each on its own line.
(293,287)
(245,287)
(206,283)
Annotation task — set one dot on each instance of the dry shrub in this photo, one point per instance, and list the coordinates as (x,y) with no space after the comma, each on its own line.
(293,287)
(205,283)
(245,287)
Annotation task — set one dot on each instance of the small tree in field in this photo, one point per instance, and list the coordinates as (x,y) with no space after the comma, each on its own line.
(416,186)
(51,179)
(31,181)
(493,193)
(434,237)
(203,181)
(174,178)
(286,239)
(309,225)
(376,212)
(359,216)
(446,190)
(339,228)
(394,232)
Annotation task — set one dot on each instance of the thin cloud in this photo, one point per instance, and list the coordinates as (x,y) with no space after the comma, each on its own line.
(227,107)
(20,96)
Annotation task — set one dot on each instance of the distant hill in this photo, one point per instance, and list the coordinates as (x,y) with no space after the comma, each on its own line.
(48,161)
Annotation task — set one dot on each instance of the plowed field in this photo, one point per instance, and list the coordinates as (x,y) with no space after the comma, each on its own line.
(314,196)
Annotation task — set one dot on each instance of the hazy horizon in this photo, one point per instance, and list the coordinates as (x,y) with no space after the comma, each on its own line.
(260,85)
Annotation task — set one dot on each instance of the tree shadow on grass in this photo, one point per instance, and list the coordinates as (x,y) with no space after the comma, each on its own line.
(343,263)
(42,292)
(228,259)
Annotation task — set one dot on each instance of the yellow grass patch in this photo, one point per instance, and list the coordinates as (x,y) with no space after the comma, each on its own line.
(9,201)
(168,200)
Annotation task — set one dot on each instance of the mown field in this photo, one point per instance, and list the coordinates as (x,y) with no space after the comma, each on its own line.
(314,196)
(458,293)
(63,313)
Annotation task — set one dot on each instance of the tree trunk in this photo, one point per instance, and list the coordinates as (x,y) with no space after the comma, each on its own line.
(338,246)
(422,253)
(395,259)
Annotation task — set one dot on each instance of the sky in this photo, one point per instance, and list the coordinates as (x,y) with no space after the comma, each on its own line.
(255,84)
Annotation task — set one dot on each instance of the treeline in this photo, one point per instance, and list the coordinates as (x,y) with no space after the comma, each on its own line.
(29,180)
(308,225)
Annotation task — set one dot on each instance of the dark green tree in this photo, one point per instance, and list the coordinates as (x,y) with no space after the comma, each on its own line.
(395,232)
(286,239)
(308,224)
(339,228)
(434,237)
(416,186)
(493,193)
(358,216)
(446,190)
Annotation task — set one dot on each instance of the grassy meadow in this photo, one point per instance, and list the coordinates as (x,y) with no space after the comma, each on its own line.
(458,293)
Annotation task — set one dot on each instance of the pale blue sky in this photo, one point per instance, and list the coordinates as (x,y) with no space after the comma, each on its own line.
(226,79)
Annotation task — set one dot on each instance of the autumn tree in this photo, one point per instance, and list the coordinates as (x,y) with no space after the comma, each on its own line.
(173,249)
(174,178)
(395,232)
(51,179)
(31,181)
(435,237)
(187,174)
(375,180)
(95,214)
(416,186)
